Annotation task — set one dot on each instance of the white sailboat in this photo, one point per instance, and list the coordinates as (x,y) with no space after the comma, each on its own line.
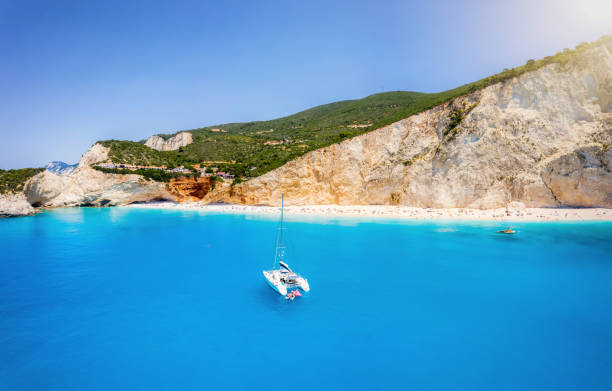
(281,278)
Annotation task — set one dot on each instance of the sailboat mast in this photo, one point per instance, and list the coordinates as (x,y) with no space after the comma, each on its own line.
(282,215)
(279,250)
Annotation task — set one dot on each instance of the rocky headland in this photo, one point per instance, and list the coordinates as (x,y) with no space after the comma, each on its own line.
(540,140)
(89,187)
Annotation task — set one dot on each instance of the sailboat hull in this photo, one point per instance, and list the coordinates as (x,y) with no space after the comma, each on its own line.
(304,285)
(275,284)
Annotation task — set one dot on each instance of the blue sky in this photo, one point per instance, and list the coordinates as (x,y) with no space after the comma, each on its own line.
(73,72)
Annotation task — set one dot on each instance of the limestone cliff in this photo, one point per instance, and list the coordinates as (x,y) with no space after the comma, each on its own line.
(86,186)
(96,154)
(542,138)
(173,143)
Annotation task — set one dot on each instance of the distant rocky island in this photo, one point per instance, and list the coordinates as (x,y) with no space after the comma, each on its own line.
(61,168)
(539,135)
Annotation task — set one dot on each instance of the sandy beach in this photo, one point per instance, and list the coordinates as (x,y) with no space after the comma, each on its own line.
(400,212)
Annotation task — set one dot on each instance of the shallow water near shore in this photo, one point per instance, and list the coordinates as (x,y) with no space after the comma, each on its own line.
(120,298)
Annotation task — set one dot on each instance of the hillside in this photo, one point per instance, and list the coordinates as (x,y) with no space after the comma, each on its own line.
(253,148)
(541,139)
(12,181)
(539,135)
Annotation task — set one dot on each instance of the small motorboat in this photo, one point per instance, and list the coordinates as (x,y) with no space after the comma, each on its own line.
(507,231)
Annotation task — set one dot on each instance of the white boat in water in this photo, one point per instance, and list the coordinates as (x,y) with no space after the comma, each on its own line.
(281,278)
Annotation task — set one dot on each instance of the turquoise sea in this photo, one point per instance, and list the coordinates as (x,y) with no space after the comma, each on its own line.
(135,299)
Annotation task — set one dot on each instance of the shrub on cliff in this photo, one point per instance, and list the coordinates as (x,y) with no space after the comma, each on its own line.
(12,181)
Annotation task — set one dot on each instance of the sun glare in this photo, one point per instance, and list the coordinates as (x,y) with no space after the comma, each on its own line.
(592,11)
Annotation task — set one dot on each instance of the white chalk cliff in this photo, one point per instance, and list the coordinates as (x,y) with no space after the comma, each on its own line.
(86,186)
(543,138)
(173,143)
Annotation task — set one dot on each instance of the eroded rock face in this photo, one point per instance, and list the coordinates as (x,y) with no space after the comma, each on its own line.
(173,143)
(582,177)
(96,154)
(540,139)
(89,187)
(13,205)
(189,189)
(86,186)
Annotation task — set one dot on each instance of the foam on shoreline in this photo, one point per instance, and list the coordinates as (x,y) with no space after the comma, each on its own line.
(399,212)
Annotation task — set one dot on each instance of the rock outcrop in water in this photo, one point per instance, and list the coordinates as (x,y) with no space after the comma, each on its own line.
(542,138)
(173,143)
(15,205)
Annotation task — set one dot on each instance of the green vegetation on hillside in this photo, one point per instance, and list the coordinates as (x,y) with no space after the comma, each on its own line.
(457,115)
(156,175)
(129,152)
(13,180)
(253,148)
